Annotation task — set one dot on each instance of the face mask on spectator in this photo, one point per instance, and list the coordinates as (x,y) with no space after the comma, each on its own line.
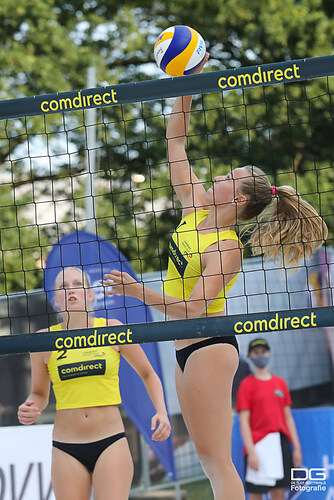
(260,361)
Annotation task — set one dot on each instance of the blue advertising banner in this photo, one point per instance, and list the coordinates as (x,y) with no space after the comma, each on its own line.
(97,256)
(315,479)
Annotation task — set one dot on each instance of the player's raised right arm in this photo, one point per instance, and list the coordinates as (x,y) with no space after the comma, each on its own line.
(188,188)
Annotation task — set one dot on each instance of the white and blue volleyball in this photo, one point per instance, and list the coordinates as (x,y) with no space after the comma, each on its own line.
(179,50)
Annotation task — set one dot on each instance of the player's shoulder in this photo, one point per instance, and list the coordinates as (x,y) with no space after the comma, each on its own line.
(114,322)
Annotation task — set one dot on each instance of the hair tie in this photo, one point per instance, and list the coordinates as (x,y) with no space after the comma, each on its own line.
(273,190)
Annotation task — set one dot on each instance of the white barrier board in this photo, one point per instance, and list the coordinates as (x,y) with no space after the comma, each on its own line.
(25,463)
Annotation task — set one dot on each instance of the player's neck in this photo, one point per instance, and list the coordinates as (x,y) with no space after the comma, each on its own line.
(75,320)
(219,218)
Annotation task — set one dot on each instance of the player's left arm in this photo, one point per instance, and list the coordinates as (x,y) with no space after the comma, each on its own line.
(297,450)
(221,262)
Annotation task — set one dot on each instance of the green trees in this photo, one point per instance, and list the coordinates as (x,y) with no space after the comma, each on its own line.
(47,47)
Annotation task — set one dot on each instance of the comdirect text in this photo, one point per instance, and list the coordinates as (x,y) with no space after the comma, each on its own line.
(276,323)
(94,340)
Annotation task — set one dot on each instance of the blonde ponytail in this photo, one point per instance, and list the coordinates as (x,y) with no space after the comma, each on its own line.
(288,229)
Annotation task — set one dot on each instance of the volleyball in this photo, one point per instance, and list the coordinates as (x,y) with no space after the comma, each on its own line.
(179,50)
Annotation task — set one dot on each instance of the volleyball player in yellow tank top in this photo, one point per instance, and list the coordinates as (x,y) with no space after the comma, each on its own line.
(205,257)
(89,450)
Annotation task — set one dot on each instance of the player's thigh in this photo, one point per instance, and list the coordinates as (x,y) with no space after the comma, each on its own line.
(181,394)
(113,472)
(204,390)
(70,479)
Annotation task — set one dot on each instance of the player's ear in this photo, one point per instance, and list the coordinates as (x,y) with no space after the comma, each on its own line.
(56,305)
(241,199)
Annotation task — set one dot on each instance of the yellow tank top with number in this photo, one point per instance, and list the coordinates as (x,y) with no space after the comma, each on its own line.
(184,264)
(85,377)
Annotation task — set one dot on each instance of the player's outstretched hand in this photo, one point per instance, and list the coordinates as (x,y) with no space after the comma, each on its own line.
(200,67)
(120,283)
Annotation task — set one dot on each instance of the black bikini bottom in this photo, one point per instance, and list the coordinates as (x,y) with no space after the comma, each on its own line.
(183,354)
(88,453)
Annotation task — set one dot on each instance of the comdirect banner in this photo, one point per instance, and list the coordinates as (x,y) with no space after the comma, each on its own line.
(251,76)
(97,256)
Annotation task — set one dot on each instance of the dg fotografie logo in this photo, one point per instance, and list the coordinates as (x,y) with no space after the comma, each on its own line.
(308,480)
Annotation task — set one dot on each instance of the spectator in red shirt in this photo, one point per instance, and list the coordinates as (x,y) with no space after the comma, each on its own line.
(263,404)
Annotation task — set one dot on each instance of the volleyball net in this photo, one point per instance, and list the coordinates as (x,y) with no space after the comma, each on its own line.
(92,163)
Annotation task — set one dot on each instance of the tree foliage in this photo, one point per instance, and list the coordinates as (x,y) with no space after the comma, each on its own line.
(47,47)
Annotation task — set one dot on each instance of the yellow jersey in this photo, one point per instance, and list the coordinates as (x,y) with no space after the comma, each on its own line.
(85,377)
(184,263)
